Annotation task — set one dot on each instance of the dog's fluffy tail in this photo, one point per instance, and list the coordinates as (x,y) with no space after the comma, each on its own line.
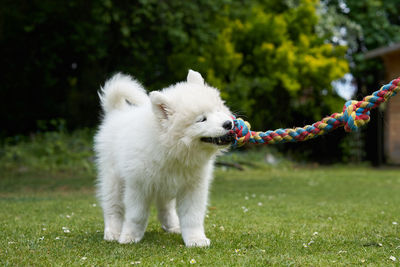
(121,91)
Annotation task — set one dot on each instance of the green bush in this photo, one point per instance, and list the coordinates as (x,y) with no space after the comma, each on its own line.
(52,150)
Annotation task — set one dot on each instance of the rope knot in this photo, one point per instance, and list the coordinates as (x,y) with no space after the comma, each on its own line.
(355,115)
(241,130)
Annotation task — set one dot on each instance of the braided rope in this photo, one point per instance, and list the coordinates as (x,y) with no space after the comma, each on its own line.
(355,114)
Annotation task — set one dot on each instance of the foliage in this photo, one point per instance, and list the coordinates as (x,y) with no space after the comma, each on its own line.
(250,50)
(318,217)
(55,55)
(363,26)
(49,151)
(271,65)
(268,57)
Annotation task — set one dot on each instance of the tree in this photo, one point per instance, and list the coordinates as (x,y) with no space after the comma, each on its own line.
(266,56)
(271,65)
(56,54)
(363,26)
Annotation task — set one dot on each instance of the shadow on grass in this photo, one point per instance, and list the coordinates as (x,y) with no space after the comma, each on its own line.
(151,239)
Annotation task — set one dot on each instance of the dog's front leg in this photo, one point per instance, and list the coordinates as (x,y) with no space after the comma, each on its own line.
(191,204)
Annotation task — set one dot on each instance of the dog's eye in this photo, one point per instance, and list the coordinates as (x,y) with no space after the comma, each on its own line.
(202,119)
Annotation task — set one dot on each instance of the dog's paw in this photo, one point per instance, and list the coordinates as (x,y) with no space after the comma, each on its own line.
(173,230)
(197,242)
(110,235)
(129,238)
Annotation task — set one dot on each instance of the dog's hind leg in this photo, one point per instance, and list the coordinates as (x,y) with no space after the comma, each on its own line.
(110,193)
(137,205)
(167,215)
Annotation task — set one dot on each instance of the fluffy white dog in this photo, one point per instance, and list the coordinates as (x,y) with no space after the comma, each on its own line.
(159,147)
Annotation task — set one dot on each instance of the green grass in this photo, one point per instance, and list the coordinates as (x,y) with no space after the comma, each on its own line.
(286,216)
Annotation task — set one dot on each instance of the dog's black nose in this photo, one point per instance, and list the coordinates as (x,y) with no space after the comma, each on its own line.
(227,125)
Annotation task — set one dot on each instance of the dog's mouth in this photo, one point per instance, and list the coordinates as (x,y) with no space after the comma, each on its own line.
(221,140)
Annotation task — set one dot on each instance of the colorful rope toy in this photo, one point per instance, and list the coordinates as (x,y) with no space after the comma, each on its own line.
(354,115)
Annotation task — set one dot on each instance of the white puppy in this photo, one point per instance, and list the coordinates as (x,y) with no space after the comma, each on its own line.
(158,148)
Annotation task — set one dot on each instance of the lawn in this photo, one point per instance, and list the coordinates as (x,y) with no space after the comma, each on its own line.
(285,215)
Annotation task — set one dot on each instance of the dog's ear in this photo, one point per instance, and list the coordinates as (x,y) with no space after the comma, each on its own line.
(194,77)
(160,105)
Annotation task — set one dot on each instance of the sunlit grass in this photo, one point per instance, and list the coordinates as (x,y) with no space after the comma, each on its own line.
(267,216)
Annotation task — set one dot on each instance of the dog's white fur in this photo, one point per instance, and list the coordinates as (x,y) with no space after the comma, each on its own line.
(149,149)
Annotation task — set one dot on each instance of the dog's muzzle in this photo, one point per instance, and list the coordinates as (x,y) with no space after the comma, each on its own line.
(221,140)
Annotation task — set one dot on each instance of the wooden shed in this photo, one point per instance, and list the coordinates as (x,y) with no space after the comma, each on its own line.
(391,59)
